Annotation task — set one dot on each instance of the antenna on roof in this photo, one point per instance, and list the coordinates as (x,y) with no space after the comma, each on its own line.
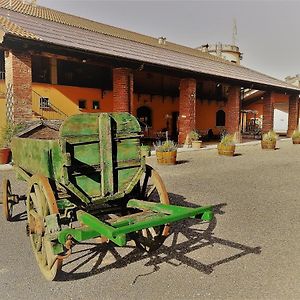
(234,32)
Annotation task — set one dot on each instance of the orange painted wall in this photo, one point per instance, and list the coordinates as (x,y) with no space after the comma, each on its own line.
(66,98)
(160,106)
(206,115)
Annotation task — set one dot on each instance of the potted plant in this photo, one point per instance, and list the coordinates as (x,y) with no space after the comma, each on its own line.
(166,152)
(6,134)
(195,139)
(227,145)
(269,140)
(296,137)
(145,150)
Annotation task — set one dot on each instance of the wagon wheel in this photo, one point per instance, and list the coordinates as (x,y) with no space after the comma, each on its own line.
(7,199)
(152,189)
(41,203)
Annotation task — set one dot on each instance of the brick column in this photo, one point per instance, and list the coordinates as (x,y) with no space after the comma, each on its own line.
(122,90)
(18,81)
(268,112)
(187,108)
(293,114)
(233,108)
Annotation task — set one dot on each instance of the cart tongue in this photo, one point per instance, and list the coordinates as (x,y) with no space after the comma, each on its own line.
(150,215)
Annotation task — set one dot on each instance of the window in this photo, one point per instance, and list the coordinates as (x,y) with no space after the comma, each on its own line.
(44,103)
(96,104)
(41,69)
(82,104)
(220,118)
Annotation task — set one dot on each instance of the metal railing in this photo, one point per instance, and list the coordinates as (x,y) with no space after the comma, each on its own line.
(44,109)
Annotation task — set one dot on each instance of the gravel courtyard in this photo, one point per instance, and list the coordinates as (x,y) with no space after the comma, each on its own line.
(251,250)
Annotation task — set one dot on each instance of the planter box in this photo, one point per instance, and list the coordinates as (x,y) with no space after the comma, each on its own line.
(5,155)
(166,158)
(269,145)
(227,150)
(196,144)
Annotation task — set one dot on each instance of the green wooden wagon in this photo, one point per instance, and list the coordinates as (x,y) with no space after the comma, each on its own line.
(91,182)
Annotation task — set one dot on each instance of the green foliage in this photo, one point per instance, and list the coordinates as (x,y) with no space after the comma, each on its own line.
(194,135)
(270,136)
(296,134)
(165,146)
(228,139)
(7,132)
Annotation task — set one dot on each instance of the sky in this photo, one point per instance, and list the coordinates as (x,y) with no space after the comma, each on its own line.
(267,31)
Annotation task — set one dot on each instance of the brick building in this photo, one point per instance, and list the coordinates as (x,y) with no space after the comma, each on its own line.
(54,64)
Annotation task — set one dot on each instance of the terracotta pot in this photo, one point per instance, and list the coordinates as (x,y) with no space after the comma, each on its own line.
(5,155)
(270,145)
(227,150)
(296,141)
(166,158)
(196,144)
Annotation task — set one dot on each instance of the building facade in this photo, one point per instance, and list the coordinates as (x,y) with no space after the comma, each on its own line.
(54,65)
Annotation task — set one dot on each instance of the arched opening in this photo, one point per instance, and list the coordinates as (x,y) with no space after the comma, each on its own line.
(144,115)
(220,118)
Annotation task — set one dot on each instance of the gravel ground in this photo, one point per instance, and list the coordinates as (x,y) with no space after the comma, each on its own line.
(249,251)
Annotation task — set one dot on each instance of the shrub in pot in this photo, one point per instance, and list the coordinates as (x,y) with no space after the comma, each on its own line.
(269,140)
(296,137)
(166,152)
(145,150)
(195,139)
(227,145)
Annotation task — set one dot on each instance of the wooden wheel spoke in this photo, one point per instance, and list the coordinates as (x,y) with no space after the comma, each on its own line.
(150,191)
(41,203)
(152,238)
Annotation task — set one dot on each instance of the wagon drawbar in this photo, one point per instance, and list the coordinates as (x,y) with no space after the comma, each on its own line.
(91,181)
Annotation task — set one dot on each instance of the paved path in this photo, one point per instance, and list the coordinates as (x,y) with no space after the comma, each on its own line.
(250,251)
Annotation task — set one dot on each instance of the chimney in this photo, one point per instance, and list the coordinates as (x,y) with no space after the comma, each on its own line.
(162,40)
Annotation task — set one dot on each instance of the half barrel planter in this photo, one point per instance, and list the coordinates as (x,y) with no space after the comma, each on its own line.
(296,141)
(268,145)
(166,158)
(196,144)
(227,150)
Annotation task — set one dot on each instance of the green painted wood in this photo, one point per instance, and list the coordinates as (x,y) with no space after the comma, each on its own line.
(106,155)
(156,214)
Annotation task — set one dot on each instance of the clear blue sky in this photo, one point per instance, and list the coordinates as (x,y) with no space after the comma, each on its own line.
(268,31)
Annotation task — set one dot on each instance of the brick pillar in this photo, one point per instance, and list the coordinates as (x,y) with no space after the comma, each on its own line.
(268,112)
(293,114)
(233,108)
(122,90)
(18,81)
(187,108)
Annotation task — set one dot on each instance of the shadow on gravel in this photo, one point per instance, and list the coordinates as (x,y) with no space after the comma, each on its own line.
(185,243)
(180,162)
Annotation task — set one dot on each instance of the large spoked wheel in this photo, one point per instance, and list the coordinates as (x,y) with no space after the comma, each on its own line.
(152,189)
(41,203)
(7,199)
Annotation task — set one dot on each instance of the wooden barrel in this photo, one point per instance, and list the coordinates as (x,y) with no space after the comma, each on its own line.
(227,150)
(296,141)
(166,158)
(270,145)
